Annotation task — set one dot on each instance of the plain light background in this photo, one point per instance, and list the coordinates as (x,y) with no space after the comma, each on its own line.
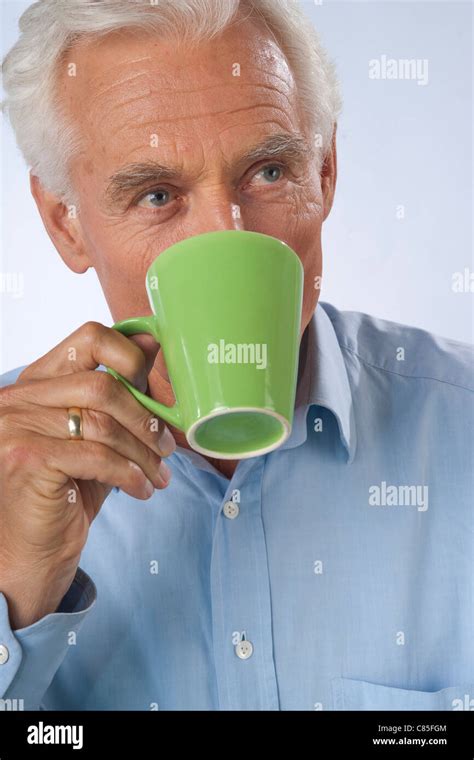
(399,144)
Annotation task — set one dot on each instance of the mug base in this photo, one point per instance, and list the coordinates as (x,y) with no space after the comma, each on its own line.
(238,433)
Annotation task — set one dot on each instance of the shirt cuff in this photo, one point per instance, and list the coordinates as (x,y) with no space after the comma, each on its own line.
(30,656)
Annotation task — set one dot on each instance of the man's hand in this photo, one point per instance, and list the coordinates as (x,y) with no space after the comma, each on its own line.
(52,486)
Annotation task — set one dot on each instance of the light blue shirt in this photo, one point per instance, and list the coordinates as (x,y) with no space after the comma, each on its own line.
(334,573)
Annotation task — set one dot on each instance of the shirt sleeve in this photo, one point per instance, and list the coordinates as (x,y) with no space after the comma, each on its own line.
(30,656)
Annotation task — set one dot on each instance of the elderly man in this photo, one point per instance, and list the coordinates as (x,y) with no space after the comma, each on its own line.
(335,572)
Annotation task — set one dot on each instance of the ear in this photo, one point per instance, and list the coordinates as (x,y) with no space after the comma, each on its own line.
(329,176)
(63,227)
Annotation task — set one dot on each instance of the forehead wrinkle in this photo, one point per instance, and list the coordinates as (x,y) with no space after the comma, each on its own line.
(126,81)
(268,59)
(156,122)
(114,87)
(87,54)
(278,70)
(150,91)
(235,83)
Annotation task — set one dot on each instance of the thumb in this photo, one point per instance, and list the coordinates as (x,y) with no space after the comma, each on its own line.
(150,349)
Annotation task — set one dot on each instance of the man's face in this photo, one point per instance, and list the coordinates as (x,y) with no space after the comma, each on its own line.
(137,100)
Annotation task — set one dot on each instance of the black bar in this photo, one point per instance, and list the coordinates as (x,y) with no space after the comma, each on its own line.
(446,734)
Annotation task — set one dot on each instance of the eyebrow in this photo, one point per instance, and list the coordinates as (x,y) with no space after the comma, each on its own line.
(134,176)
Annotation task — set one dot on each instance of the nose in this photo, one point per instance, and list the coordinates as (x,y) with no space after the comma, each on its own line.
(215,212)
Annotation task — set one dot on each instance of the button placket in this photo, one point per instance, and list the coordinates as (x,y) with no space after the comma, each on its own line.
(241,597)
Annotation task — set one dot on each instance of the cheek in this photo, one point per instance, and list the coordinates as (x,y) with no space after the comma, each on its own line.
(117,246)
(305,238)
(121,257)
(305,227)
(295,213)
(300,226)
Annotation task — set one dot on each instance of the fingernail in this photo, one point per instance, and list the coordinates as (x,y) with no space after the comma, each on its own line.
(165,472)
(166,442)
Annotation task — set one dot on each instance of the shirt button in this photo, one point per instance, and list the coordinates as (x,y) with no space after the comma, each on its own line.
(4,654)
(231,509)
(244,649)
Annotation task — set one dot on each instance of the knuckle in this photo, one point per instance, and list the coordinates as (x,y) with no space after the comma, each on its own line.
(92,332)
(7,396)
(24,374)
(18,453)
(104,426)
(102,386)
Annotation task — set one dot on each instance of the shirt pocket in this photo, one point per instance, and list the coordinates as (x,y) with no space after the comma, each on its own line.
(349,694)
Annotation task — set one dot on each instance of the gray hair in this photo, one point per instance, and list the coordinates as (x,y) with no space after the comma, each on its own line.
(47,138)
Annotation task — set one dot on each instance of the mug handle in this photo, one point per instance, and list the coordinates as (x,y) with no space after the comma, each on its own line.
(134,326)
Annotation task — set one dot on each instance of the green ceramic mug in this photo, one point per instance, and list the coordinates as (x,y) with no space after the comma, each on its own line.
(227,312)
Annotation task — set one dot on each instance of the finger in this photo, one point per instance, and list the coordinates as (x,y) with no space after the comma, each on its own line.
(96,426)
(149,347)
(99,391)
(90,460)
(87,347)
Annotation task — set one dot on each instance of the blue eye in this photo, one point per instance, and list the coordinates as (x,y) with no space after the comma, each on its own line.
(161,195)
(273,168)
(272,173)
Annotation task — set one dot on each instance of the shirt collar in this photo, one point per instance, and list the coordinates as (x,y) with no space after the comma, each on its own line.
(322,380)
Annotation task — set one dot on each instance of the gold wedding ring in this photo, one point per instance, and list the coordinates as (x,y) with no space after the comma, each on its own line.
(75,423)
